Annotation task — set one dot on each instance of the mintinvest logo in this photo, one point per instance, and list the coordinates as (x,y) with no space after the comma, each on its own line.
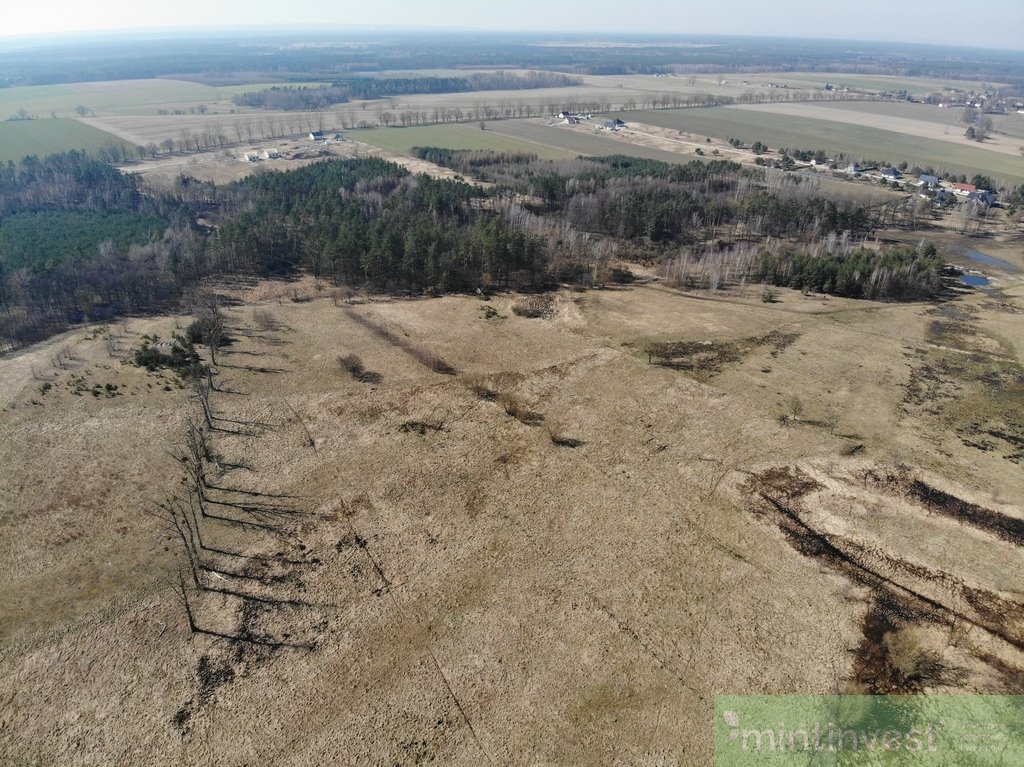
(945,730)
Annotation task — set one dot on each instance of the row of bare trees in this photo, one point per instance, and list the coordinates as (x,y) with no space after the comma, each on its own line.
(207,517)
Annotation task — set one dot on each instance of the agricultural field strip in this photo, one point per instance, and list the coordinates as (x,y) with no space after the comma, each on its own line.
(780,130)
(119,97)
(732,83)
(952,133)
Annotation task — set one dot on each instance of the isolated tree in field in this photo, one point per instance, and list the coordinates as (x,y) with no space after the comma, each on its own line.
(208,328)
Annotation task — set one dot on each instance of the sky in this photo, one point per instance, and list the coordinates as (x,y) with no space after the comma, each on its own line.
(992,24)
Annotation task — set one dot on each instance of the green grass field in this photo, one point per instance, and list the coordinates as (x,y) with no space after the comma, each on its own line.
(122,97)
(460,136)
(43,137)
(864,142)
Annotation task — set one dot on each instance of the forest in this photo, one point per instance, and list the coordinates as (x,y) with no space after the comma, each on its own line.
(293,97)
(326,55)
(111,247)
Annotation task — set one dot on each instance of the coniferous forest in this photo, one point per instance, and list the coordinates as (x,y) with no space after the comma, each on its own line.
(81,241)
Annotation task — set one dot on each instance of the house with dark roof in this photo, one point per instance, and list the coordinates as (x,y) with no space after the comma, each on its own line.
(985,198)
(893,173)
(925,180)
(614,124)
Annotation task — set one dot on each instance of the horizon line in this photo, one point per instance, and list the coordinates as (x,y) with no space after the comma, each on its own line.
(182,30)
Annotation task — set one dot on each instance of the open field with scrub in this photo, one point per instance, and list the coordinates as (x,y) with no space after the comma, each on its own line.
(794,130)
(521,530)
(461,136)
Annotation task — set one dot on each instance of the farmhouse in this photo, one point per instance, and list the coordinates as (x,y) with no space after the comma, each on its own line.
(613,124)
(925,180)
(893,173)
(964,190)
(317,135)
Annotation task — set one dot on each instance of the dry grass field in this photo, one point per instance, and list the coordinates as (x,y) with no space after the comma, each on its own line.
(551,552)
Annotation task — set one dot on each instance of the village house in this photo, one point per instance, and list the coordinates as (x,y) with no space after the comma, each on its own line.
(317,135)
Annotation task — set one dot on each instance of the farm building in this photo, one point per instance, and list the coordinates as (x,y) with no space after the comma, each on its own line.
(925,180)
(893,173)
(317,135)
(613,124)
(964,189)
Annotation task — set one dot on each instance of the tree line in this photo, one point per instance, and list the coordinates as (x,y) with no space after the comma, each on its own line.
(295,97)
(119,248)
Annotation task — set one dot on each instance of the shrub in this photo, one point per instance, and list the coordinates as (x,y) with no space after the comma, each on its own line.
(518,409)
(264,320)
(768,297)
(182,358)
(490,312)
(622,276)
(480,387)
(533,307)
(913,662)
(354,365)
(206,330)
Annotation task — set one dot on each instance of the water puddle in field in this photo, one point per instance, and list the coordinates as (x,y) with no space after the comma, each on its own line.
(975,280)
(982,258)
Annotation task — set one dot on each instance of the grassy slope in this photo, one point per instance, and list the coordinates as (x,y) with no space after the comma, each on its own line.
(43,137)
(872,143)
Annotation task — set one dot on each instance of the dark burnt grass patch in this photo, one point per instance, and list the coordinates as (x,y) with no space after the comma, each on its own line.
(889,659)
(706,359)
